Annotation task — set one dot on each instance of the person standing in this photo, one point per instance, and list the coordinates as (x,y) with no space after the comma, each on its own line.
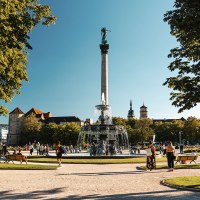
(160,148)
(151,154)
(164,149)
(41,149)
(170,156)
(4,149)
(1,149)
(58,153)
(38,148)
(31,149)
(47,150)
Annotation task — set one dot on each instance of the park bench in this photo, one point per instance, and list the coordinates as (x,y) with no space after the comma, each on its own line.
(15,157)
(183,158)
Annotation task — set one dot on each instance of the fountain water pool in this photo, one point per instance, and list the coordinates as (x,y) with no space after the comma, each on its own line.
(104,139)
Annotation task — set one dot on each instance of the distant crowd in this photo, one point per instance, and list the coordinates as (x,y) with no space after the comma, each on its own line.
(36,148)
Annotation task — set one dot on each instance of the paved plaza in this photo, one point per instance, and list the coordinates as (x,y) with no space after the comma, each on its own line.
(86,181)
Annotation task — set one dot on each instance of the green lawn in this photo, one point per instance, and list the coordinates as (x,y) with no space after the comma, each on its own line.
(187,181)
(179,166)
(26,166)
(95,160)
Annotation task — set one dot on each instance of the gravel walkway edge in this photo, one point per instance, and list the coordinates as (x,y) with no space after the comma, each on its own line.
(178,187)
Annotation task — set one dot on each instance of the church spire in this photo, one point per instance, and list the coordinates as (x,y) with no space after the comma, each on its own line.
(131,112)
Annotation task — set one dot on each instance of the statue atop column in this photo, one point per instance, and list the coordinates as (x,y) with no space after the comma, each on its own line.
(103,35)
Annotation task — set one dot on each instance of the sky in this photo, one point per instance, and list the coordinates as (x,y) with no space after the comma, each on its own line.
(64,66)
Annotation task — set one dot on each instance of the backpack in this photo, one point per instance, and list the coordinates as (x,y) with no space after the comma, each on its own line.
(62,149)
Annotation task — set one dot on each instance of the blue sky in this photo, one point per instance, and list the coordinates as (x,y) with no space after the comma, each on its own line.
(64,65)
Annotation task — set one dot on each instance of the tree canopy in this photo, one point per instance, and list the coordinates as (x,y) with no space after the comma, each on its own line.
(18,18)
(184,22)
(30,129)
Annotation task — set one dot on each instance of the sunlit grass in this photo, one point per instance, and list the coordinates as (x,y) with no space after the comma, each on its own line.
(26,166)
(187,181)
(95,160)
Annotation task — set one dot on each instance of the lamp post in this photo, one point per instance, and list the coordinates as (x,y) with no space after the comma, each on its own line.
(181,146)
(180,137)
(197,133)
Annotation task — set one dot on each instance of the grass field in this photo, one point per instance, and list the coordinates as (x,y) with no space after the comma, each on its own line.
(95,160)
(9,166)
(187,181)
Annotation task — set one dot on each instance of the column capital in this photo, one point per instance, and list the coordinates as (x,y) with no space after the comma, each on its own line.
(104,48)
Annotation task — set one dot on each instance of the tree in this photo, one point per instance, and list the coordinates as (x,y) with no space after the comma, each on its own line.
(191,130)
(119,121)
(18,18)
(66,133)
(48,134)
(168,131)
(184,22)
(144,127)
(30,129)
(71,131)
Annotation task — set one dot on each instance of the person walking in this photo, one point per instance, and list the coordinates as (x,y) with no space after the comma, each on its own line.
(151,154)
(58,153)
(170,156)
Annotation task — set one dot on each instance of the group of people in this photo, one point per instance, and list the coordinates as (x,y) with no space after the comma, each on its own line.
(41,149)
(151,156)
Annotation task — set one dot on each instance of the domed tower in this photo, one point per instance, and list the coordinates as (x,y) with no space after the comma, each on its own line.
(131,112)
(143,112)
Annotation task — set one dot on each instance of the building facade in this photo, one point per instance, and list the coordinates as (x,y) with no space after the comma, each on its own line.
(17,116)
(14,126)
(144,115)
(62,120)
(143,112)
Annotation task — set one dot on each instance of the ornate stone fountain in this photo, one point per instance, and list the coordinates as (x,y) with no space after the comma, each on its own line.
(103,137)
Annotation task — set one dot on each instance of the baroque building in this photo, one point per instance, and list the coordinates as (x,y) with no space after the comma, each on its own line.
(16,118)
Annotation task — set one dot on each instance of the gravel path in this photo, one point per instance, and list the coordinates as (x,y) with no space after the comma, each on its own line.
(85,181)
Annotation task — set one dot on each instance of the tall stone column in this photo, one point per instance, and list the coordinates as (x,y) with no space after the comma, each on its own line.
(104,71)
